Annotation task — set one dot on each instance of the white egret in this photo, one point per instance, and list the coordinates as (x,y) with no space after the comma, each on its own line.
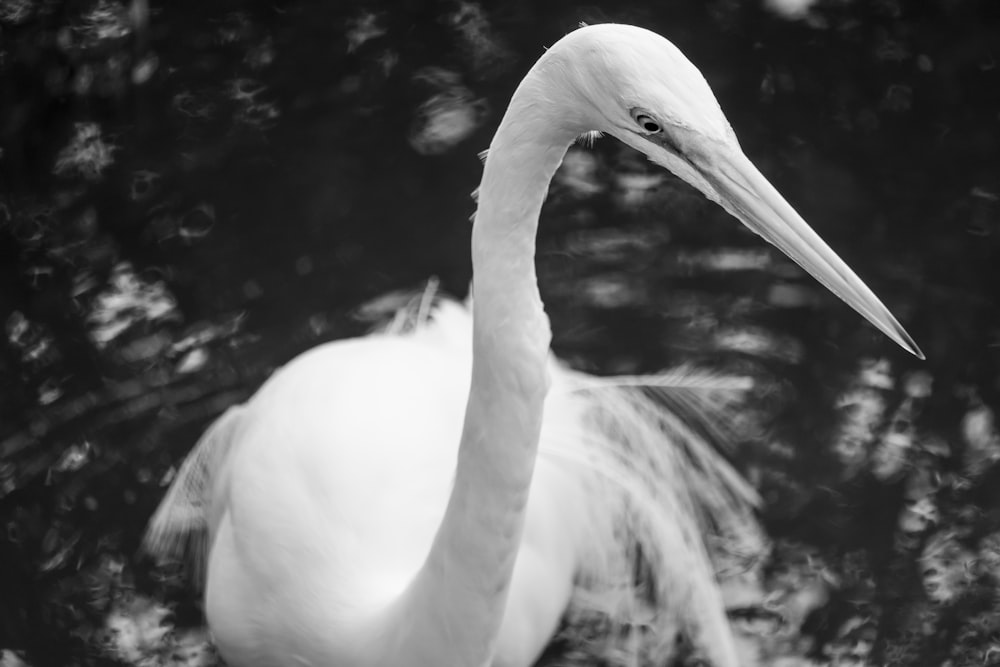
(372,505)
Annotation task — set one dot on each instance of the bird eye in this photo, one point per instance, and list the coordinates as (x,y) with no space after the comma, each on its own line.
(648,124)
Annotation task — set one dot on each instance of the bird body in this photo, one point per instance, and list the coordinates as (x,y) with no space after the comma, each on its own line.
(383,500)
(443,496)
(272,595)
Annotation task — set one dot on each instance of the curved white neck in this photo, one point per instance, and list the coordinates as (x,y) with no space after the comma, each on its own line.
(466,576)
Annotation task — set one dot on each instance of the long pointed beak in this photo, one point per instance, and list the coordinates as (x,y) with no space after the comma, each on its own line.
(744,192)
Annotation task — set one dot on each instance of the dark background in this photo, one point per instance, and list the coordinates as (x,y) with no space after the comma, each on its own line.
(193,192)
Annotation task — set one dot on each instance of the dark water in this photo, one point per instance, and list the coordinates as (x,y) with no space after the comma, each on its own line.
(192,193)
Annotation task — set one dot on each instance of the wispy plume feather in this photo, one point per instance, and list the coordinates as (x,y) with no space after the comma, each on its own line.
(180,528)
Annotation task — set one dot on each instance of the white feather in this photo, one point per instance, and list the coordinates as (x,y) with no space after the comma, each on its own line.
(647,448)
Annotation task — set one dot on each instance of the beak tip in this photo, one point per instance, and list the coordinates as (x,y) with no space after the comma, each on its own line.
(907,343)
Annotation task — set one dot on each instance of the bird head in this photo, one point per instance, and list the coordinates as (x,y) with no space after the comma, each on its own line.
(635,85)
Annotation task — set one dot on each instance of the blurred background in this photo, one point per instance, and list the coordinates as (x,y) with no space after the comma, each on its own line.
(193,192)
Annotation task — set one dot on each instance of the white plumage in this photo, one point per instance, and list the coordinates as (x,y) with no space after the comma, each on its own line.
(446,493)
(625,469)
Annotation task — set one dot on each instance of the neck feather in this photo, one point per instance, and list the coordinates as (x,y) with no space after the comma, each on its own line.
(466,576)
